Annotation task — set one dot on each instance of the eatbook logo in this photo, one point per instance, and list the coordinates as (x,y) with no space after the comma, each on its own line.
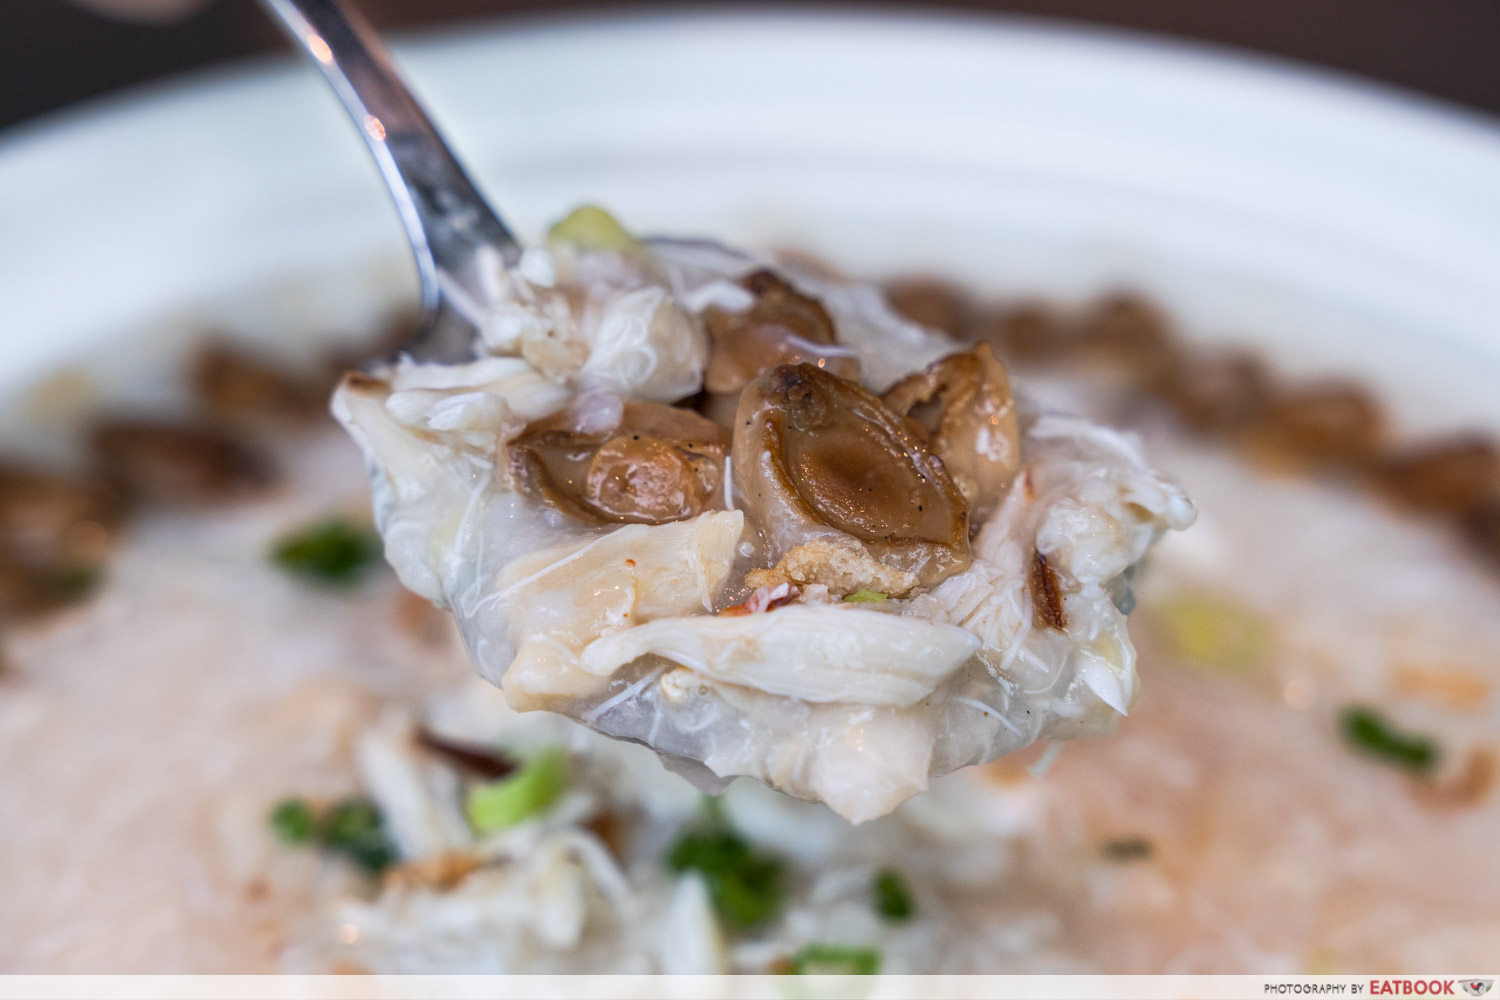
(1477,987)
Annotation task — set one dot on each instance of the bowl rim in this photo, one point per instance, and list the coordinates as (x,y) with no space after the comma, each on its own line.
(1392,98)
(1443,160)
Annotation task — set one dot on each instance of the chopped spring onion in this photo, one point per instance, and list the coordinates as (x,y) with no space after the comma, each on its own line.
(334,552)
(835,960)
(354,829)
(892,897)
(528,792)
(1370,733)
(590,227)
(293,821)
(865,597)
(1215,633)
(744,884)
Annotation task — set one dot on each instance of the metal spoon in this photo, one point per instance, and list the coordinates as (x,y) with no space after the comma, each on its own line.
(455,235)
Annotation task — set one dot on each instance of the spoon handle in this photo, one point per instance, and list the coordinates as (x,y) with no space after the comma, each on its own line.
(446,219)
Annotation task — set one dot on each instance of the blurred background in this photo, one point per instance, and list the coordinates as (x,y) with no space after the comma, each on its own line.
(55,52)
(1260,274)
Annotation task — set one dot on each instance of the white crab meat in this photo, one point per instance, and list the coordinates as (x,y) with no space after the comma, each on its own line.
(626,627)
(562,599)
(814,652)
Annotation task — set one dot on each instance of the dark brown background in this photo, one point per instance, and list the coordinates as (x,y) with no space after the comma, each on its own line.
(53,54)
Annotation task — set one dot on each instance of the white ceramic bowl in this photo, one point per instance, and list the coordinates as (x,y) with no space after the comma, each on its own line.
(1343,227)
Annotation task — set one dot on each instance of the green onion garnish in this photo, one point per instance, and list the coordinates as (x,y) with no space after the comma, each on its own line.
(293,821)
(1216,634)
(892,897)
(865,597)
(335,553)
(1369,733)
(590,227)
(354,829)
(528,792)
(744,885)
(835,960)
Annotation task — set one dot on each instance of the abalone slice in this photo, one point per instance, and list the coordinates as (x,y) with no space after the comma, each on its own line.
(612,462)
(843,490)
(782,327)
(964,406)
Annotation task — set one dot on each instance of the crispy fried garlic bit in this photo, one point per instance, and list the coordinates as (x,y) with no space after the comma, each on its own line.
(842,489)
(963,403)
(604,461)
(782,327)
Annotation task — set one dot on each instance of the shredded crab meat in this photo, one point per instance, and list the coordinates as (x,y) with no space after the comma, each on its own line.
(990,599)
(815,653)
